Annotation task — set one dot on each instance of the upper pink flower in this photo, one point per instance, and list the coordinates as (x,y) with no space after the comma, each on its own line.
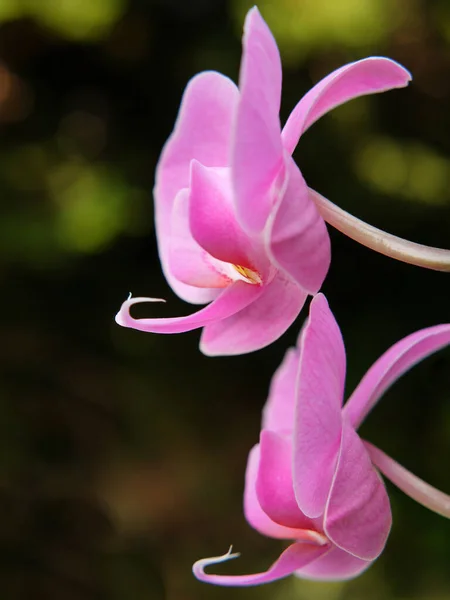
(235,221)
(311,478)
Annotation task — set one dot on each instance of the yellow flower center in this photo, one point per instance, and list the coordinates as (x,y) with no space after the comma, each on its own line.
(249,275)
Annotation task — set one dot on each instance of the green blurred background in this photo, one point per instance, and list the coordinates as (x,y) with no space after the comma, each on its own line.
(122,454)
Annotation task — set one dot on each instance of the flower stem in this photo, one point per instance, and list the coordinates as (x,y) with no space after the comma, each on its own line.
(418,490)
(385,243)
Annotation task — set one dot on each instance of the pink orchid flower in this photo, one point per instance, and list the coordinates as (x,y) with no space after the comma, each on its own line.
(237,226)
(311,478)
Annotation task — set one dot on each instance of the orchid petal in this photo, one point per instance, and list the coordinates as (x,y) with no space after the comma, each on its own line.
(368,76)
(292,559)
(212,220)
(257,155)
(254,514)
(278,413)
(390,366)
(258,324)
(274,486)
(298,238)
(358,516)
(231,300)
(318,420)
(335,565)
(203,131)
(188,261)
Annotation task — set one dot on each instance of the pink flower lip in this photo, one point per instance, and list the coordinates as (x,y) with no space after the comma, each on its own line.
(232,207)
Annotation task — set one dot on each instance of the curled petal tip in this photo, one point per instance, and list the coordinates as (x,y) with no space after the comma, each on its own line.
(405,76)
(295,557)
(199,566)
(123,317)
(408,75)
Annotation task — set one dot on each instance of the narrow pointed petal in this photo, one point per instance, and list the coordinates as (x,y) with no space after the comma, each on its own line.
(298,239)
(212,220)
(358,515)
(231,300)
(390,366)
(203,132)
(258,324)
(257,155)
(274,485)
(367,76)
(188,261)
(292,559)
(253,512)
(278,413)
(318,419)
(335,565)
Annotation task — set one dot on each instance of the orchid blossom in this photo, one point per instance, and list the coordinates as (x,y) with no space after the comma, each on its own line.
(237,226)
(311,478)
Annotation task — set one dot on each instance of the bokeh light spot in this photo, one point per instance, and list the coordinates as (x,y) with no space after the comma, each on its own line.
(412,171)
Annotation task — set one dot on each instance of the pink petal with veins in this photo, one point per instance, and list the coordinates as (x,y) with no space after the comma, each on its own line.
(278,413)
(368,76)
(258,324)
(255,515)
(358,515)
(298,239)
(335,565)
(318,421)
(212,220)
(188,261)
(203,132)
(257,156)
(390,366)
(274,486)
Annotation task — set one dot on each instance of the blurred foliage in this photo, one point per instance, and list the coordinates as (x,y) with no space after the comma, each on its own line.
(305,26)
(87,205)
(410,170)
(122,455)
(68,18)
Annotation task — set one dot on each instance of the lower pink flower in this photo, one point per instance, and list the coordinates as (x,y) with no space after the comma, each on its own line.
(311,478)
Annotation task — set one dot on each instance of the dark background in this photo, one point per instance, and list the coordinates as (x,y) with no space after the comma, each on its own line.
(122,454)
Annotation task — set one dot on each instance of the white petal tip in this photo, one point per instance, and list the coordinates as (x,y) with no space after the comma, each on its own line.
(118,319)
(198,568)
(123,316)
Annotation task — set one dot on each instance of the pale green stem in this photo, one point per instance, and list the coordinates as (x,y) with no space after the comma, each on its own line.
(418,490)
(385,243)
